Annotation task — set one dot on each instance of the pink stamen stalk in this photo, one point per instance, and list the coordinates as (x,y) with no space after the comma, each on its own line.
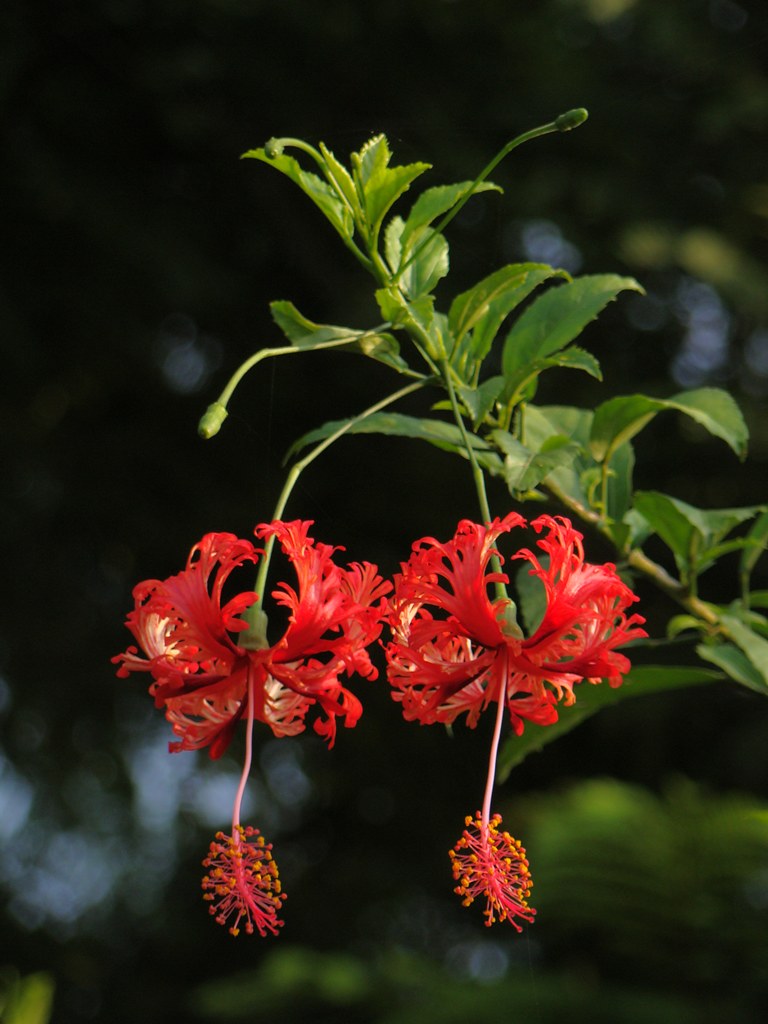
(242,879)
(489,862)
(245,774)
(493,756)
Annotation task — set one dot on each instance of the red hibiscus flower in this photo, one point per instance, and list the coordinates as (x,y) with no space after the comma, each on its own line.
(454,650)
(457,648)
(211,665)
(204,661)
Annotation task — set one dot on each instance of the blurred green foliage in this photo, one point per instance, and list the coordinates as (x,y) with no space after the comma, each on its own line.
(26,1000)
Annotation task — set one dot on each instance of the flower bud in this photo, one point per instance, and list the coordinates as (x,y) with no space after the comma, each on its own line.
(273,148)
(571,119)
(211,420)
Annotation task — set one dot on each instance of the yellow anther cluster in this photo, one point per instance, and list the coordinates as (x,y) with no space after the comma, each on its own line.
(243,880)
(491,863)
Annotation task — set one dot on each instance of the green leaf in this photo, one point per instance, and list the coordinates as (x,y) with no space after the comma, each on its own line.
(555,319)
(639,682)
(667,517)
(401,311)
(482,308)
(434,202)
(717,411)
(480,400)
(746,614)
(747,640)
(382,192)
(575,358)
(371,161)
(319,191)
(757,541)
(639,528)
(619,419)
(525,468)
(393,246)
(378,184)
(446,436)
(305,334)
(690,533)
(620,492)
(428,266)
(680,623)
(734,663)
(712,554)
(340,178)
(418,316)
(384,348)
(541,422)
(517,384)
(531,597)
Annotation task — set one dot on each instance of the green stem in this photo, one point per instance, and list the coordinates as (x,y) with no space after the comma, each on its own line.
(477,473)
(378,266)
(520,423)
(274,147)
(216,413)
(254,612)
(510,608)
(563,123)
(358,253)
(604,489)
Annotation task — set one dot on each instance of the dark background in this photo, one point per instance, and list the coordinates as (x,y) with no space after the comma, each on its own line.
(139,257)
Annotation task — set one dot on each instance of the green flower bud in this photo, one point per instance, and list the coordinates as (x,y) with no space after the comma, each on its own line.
(571,119)
(273,148)
(211,421)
